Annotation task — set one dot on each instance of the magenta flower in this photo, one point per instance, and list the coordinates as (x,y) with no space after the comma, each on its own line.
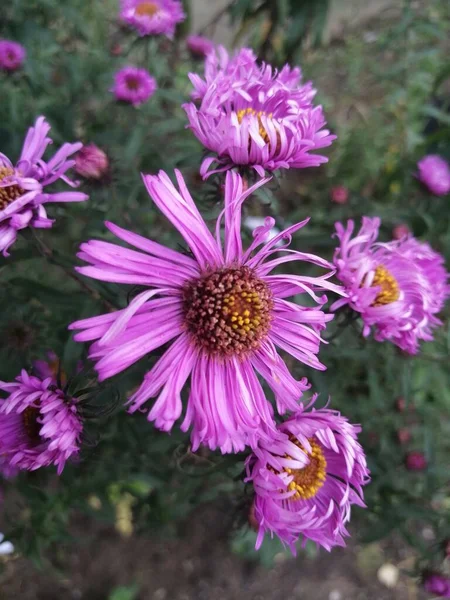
(155,17)
(251,115)
(22,195)
(199,46)
(133,85)
(12,55)
(307,477)
(39,425)
(397,287)
(415,461)
(91,162)
(434,173)
(436,584)
(223,310)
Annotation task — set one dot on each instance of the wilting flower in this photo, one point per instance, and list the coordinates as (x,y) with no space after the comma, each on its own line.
(437,584)
(91,162)
(199,46)
(154,17)
(415,461)
(339,194)
(307,478)
(133,85)
(12,55)
(252,115)
(397,287)
(223,309)
(434,172)
(39,425)
(22,194)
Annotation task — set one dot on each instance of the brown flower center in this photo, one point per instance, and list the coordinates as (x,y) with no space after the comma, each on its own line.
(132,82)
(390,291)
(146,9)
(11,192)
(308,481)
(228,312)
(30,421)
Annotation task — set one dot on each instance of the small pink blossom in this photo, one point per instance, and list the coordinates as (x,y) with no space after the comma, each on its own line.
(133,85)
(339,194)
(434,173)
(12,55)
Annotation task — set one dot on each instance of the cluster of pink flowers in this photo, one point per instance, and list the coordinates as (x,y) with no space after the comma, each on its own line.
(223,314)
(397,287)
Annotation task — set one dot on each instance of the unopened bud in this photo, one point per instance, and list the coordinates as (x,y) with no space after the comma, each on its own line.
(415,461)
(91,162)
(339,194)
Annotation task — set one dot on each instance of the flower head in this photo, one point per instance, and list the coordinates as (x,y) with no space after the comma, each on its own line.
(152,17)
(22,193)
(199,46)
(307,477)
(252,115)
(339,194)
(12,55)
(436,584)
(133,85)
(91,162)
(415,461)
(434,173)
(39,425)
(397,287)
(223,310)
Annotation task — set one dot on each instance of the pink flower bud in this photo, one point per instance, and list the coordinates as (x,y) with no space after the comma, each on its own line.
(403,436)
(339,194)
(91,162)
(415,461)
(400,231)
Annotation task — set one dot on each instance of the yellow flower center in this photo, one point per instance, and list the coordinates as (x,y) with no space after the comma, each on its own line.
(390,291)
(11,192)
(308,481)
(146,9)
(228,312)
(251,111)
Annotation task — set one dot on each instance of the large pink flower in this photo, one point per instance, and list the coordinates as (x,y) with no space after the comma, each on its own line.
(397,287)
(252,115)
(39,425)
(22,194)
(307,478)
(153,17)
(223,309)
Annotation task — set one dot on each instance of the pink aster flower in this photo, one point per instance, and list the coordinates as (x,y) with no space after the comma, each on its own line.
(397,287)
(307,478)
(12,55)
(154,17)
(222,309)
(133,85)
(91,162)
(39,425)
(199,46)
(434,173)
(22,194)
(436,584)
(251,115)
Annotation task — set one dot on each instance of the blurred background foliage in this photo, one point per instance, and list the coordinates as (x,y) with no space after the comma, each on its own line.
(385,88)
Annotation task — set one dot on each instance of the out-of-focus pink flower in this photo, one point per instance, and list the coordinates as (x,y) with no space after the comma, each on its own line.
(199,46)
(12,55)
(415,461)
(436,584)
(39,425)
(91,162)
(133,85)
(403,436)
(397,287)
(22,193)
(307,477)
(339,194)
(152,17)
(252,115)
(223,311)
(434,173)
(400,231)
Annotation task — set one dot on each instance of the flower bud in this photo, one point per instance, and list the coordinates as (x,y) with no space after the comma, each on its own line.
(415,461)
(91,162)
(403,436)
(339,194)
(400,231)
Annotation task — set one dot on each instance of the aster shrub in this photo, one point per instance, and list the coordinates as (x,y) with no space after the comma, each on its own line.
(220,283)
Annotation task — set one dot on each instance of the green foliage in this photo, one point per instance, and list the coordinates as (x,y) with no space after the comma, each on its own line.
(386,101)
